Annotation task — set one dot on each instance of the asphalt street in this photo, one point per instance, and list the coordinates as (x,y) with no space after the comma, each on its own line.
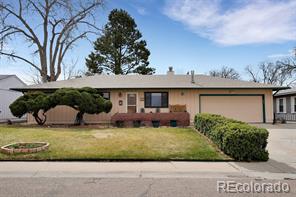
(122,187)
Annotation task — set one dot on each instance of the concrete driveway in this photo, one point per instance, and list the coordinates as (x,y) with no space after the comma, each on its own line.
(281,148)
(282,143)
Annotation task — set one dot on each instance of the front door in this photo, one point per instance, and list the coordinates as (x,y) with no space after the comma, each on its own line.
(131,103)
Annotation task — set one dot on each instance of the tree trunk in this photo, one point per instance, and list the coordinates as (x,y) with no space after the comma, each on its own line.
(38,119)
(43,63)
(44,78)
(79,119)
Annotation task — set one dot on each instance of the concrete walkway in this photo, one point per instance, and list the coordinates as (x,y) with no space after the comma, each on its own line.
(261,170)
(117,169)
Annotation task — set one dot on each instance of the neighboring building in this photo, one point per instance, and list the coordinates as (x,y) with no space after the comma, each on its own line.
(7,96)
(285,105)
(241,100)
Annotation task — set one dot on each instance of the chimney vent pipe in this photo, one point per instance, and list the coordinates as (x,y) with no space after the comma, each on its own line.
(192,77)
(170,71)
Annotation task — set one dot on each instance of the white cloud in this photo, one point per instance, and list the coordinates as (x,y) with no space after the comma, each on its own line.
(290,53)
(141,10)
(246,22)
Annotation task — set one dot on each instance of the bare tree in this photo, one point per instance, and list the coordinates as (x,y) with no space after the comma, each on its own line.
(69,71)
(253,74)
(271,73)
(35,77)
(225,72)
(289,64)
(61,24)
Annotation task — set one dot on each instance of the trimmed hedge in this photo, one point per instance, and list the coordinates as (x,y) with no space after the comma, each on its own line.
(235,138)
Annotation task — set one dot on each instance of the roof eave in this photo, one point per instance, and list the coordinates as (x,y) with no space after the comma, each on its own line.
(281,88)
(52,89)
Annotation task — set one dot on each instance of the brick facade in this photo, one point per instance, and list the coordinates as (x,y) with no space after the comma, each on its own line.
(182,118)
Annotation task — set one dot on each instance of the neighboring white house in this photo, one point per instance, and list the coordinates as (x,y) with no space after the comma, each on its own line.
(7,96)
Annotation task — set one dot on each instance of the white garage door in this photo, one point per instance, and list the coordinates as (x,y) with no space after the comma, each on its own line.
(244,108)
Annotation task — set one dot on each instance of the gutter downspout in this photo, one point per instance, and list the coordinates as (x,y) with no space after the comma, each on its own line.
(274,121)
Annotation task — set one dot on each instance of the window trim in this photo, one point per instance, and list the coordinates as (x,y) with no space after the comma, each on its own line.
(293,104)
(167,101)
(284,105)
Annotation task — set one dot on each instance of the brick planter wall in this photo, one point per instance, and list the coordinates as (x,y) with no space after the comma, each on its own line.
(182,118)
(7,150)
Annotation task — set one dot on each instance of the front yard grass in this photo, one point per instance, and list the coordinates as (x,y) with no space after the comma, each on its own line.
(112,144)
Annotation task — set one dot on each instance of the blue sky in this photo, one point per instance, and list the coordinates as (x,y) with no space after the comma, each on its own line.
(197,34)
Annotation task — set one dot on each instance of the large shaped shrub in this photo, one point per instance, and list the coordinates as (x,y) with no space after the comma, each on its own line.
(84,100)
(235,138)
(35,103)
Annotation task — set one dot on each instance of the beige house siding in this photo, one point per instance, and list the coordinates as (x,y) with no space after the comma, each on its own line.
(188,97)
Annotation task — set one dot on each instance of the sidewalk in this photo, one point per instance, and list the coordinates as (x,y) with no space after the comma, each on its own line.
(139,169)
(118,169)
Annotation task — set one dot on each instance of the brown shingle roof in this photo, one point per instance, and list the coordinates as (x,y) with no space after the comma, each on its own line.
(149,81)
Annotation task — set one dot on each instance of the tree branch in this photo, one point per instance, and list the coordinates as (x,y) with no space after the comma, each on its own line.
(20,58)
(37,9)
(17,29)
(53,36)
(24,23)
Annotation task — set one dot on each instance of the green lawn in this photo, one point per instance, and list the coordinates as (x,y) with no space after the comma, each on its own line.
(112,144)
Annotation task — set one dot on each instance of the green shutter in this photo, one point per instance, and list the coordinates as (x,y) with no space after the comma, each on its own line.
(164,99)
(147,99)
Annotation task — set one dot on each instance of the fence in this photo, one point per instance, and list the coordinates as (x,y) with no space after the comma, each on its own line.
(285,116)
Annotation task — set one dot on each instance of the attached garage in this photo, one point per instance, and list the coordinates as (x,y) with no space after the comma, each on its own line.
(247,108)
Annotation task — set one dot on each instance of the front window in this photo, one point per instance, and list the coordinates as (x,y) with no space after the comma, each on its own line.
(105,95)
(156,99)
(293,106)
(281,105)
